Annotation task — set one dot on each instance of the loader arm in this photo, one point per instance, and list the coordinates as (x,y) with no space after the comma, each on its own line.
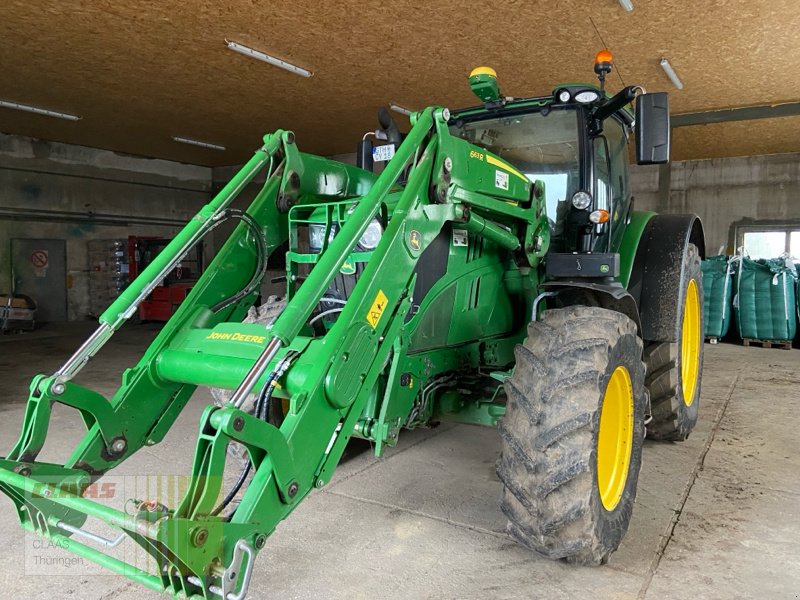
(198,551)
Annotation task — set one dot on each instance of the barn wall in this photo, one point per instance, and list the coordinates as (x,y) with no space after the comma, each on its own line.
(77,194)
(724,192)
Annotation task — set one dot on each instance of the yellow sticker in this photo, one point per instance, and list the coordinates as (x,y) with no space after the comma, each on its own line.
(414,240)
(377,308)
(504,165)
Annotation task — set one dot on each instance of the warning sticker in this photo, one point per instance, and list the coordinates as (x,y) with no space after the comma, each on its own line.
(501,180)
(40,259)
(377,308)
(414,240)
(460,237)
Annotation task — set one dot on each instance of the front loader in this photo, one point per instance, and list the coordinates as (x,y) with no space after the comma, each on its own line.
(494,273)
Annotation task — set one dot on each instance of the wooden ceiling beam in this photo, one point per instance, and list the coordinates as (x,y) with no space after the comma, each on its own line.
(743,113)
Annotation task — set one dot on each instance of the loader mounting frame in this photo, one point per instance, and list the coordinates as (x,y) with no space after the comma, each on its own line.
(198,553)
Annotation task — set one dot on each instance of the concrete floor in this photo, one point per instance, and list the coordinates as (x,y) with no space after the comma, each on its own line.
(716,517)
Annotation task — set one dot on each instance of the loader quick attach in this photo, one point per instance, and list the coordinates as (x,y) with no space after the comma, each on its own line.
(494,273)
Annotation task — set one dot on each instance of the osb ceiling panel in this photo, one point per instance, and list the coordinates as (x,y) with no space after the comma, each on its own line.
(139,72)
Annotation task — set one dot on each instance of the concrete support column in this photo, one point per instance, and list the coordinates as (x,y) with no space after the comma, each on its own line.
(664,186)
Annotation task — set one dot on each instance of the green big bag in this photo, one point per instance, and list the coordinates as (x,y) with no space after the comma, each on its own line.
(717,295)
(765,301)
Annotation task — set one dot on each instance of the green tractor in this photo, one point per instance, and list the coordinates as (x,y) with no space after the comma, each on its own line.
(494,273)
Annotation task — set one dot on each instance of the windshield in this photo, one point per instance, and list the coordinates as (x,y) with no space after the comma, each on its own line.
(543,145)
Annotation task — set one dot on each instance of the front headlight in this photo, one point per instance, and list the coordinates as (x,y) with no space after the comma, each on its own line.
(581,200)
(316,235)
(371,237)
(586,96)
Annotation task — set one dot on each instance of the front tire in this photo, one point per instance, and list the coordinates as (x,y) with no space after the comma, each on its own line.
(674,370)
(572,434)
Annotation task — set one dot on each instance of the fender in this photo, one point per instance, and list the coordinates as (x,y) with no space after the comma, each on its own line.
(630,242)
(606,295)
(658,270)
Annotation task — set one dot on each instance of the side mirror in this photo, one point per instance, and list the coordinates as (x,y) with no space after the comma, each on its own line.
(652,129)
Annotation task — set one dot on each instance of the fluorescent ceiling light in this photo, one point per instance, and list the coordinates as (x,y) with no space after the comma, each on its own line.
(673,77)
(277,62)
(38,111)
(192,142)
(399,109)
(626,4)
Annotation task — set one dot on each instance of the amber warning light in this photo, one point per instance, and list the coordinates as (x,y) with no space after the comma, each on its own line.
(604,56)
(602,66)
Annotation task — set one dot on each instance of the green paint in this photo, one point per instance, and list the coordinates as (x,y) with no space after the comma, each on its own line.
(630,242)
(483,82)
(406,350)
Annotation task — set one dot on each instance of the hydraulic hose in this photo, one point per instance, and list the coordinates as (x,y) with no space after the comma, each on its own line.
(261,412)
(261,259)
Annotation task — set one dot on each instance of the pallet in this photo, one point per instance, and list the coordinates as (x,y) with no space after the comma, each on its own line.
(782,344)
(712,339)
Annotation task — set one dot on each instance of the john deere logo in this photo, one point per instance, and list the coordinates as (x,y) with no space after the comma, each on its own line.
(414,240)
(348,268)
(604,268)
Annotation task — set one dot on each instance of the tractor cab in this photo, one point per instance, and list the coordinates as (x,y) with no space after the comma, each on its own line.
(575,142)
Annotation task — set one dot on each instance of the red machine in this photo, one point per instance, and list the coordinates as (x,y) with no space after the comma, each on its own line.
(165,299)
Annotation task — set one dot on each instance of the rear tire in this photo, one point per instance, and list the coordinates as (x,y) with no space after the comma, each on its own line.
(674,370)
(563,497)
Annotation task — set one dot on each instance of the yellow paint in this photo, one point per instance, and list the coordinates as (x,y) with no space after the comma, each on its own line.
(691,338)
(377,308)
(414,240)
(615,438)
(483,71)
(236,337)
(505,166)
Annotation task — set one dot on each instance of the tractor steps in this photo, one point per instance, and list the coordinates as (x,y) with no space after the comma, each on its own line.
(782,344)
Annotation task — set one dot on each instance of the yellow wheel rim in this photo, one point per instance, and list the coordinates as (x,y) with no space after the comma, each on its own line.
(691,338)
(615,438)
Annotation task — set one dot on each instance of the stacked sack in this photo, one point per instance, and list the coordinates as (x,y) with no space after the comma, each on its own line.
(717,291)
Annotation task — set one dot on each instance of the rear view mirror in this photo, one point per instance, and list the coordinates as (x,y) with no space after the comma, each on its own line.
(652,129)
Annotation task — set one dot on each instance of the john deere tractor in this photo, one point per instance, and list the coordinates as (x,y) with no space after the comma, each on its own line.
(494,273)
